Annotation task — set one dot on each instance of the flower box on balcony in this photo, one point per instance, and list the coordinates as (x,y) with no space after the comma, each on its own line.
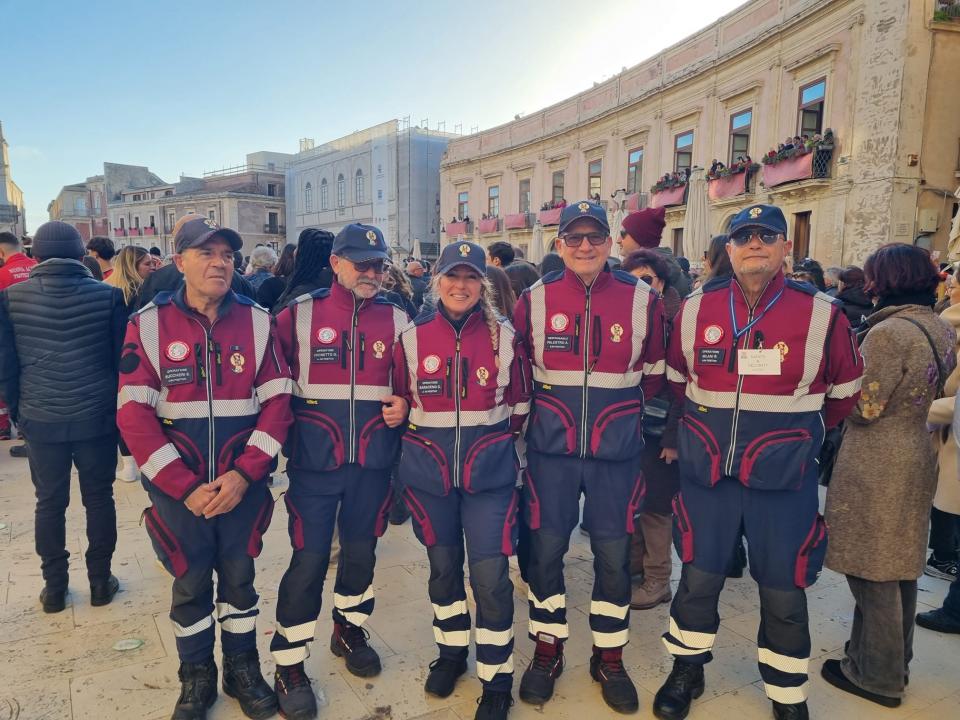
(517,221)
(632,202)
(550,217)
(149,231)
(489,225)
(669,197)
(458,228)
(727,186)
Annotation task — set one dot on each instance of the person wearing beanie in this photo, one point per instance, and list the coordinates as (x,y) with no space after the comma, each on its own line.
(644,229)
(60,337)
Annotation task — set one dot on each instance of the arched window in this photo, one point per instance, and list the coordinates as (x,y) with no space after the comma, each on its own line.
(324,195)
(358,185)
(308,197)
(341,191)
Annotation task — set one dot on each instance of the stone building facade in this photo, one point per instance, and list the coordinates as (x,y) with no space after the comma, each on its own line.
(12,213)
(880,75)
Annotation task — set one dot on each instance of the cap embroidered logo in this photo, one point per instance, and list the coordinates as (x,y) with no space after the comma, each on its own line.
(583,207)
(755,213)
(372,237)
(464,250)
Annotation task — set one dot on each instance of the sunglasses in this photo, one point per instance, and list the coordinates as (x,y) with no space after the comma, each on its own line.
(378,266)
(575,240)
(741,239)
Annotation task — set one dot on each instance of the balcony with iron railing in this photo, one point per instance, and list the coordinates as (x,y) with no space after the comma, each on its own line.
(269,229)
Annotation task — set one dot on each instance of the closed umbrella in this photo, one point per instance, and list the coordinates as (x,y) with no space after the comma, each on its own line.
(696,221)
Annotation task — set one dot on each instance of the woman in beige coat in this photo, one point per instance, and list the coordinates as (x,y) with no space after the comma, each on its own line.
(878,504)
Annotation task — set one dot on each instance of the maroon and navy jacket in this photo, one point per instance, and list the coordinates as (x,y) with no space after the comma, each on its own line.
(340,350)
(199,399)
(467,403)
(596,351)
(764,430)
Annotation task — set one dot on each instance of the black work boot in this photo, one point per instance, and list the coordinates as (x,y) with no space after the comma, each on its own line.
(493,705)
(683,686)
(536,685)
(606,667)
(793,711)
(198,690)
(444,672)
(294,694)
(53,600)
(399,513)
(350,642)
(243,681)
(102,591)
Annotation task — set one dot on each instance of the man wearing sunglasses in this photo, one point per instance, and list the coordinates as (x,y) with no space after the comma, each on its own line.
(595,339)
(339,343)
(764,365)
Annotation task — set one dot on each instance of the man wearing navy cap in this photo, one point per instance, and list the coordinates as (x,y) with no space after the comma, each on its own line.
(595,339)
(345,439)
(764,365)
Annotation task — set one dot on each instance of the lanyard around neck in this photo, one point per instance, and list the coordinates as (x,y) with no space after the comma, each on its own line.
(740,332)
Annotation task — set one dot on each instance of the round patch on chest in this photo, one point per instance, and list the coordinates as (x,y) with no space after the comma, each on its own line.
(559,322)
(431,363)
(178,351)
(712,334)
(327,335)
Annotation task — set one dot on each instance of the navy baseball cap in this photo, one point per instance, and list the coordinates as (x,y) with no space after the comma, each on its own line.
(358,243)
(195,233)
(584,209)
(766,217)
(462,253)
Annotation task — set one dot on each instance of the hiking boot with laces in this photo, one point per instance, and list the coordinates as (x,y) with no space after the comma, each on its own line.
(683,686)
(243,681)
(536,685)
(793,711)
(198,690)
(444,672)
(606,667)
(294,694)
(350,642)
(493,705)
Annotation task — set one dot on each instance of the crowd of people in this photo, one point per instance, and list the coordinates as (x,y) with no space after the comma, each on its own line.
(501,405)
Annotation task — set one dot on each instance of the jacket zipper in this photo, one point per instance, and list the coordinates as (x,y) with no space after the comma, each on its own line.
(352,456)
(456,439)
(586,375)
(728,469)
(211,436)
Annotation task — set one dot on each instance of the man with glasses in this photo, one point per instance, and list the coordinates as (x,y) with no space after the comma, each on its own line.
(595,339)
(339,343)
(765,365)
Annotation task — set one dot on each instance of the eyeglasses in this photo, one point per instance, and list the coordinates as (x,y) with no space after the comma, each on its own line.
(623,234)
(648,279)
(575,240)
(378,266)
(742,239)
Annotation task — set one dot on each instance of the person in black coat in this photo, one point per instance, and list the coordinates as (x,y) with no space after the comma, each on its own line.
(61,333)
(311,271)
(856,303)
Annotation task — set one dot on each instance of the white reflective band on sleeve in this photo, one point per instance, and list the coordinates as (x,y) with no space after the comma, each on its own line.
(521,408)
(845,390)
(297,633)
(487,672)
(345,602)
(160,458)
(272,388)
(409,340)
(574,378)
(688,331)
(611,639)
(600,607)
(455,638)
(400,321)
(468,418)
(551,604)
(142,394)
(261,336)
(505,355)
(675,375)
(263,442)
(493,637)
(198,627)
(783,663)
(538,321)
(690,638)
(238,626)
(149,324)
(198,409)
(319,391)
(675,649)
(786,695)
(638,323)
(291,656)
(445,612)
(657,368)
(558,630)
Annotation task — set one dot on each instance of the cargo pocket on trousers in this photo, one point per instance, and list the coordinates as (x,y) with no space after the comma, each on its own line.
(260,526)
(383,514)
(531,504)
(508,539)
(422,526)
(294,524)
(636,502)
(812,552)
(165,544)
(682,529)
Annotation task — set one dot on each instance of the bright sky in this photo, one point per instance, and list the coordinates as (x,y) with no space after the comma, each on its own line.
(184,87)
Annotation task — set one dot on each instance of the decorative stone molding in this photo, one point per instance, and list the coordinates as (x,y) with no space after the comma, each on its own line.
(826,50)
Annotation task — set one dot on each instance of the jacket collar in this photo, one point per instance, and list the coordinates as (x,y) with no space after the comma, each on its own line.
(573,280)
(345,299)
(61,266)
(179,299)
(774,286)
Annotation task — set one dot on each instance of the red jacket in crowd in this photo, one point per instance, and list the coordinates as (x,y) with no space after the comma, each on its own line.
(15,269)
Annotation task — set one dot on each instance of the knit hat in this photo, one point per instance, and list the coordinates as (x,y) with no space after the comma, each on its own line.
(646,226)
(57,239)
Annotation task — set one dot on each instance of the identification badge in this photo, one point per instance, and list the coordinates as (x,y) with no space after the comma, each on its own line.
(559,343)
(326,354)
(758,362)
(180,375)
(430,387)
(711,356)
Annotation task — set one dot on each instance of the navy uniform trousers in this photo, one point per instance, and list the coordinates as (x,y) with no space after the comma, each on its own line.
(487,522)
(613,494)
(193,548)
(786,540)
(356,500)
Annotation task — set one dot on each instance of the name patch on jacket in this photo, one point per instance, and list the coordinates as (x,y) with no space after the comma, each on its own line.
(326,354)
(560,343)
(711,356)
(179,375)
(430,387)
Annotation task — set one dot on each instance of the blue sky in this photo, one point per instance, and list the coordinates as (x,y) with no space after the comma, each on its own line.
(185,87)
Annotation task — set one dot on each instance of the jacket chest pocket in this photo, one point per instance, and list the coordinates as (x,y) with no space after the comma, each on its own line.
(317,443)
(700,451)
(776,460)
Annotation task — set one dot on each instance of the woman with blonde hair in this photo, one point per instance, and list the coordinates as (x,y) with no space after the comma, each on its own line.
(465,376)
